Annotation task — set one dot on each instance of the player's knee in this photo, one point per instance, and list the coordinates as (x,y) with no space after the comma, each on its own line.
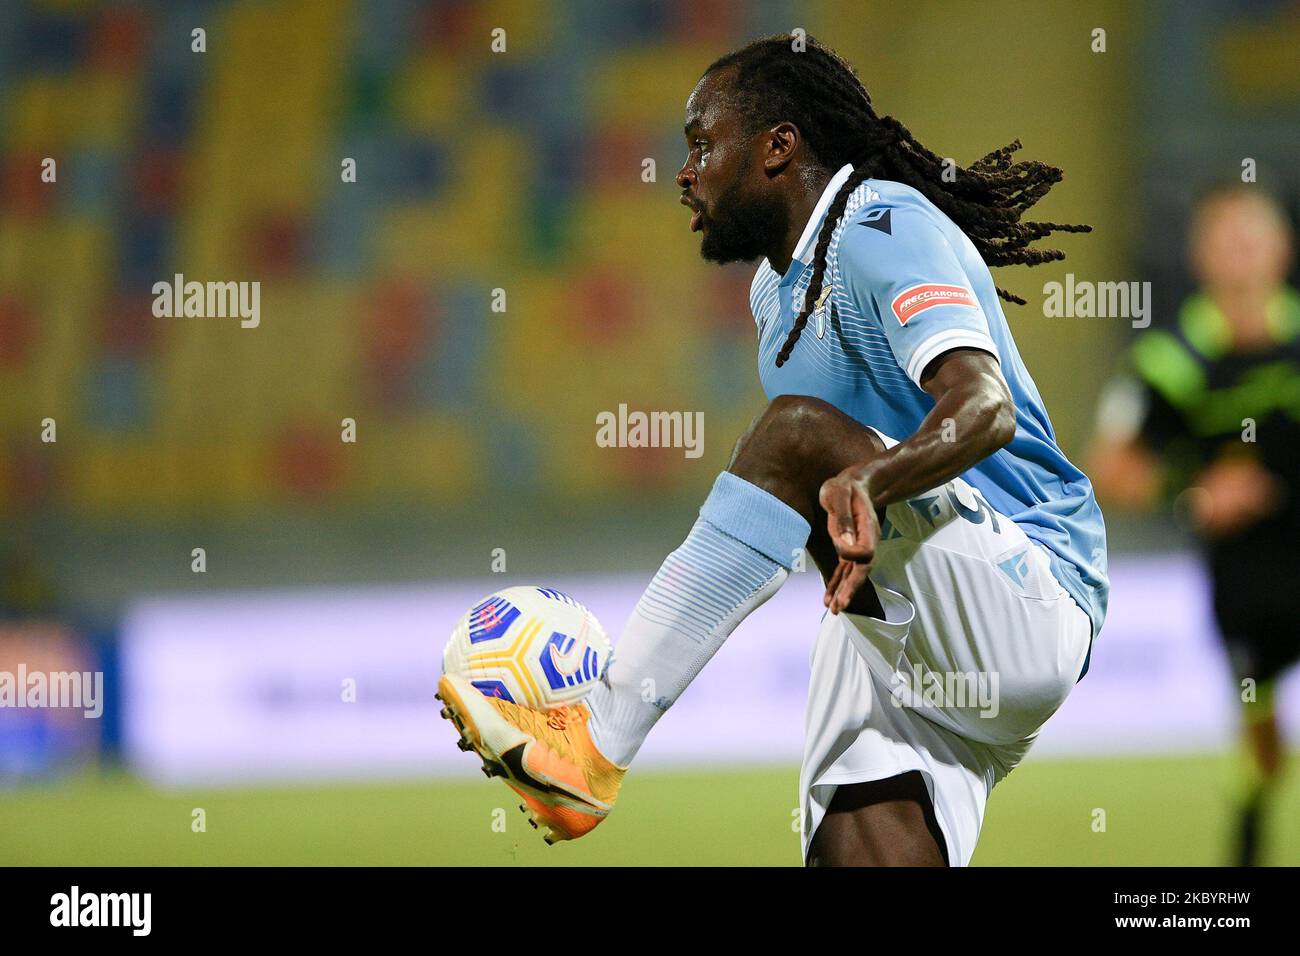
(800,412)
(793,428)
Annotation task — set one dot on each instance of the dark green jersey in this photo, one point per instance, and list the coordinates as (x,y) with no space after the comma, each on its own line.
(1205,400)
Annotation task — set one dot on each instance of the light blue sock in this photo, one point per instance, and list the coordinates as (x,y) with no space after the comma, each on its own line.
(738,554)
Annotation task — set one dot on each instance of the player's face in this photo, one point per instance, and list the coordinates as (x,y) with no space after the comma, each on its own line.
(1240,243)
(722,181)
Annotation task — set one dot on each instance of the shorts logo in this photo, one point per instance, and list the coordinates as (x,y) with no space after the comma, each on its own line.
(912,302)
(1015,567)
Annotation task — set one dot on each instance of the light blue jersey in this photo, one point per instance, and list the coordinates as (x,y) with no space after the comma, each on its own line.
(903,284)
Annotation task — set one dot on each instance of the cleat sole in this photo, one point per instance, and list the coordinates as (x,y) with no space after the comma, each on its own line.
(471,738)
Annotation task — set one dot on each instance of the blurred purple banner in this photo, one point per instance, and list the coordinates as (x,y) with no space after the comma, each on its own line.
(255,686)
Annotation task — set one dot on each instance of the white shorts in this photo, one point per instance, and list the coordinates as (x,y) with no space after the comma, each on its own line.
(979,647)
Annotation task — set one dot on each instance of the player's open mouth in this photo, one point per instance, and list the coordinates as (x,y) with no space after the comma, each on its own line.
(697,217)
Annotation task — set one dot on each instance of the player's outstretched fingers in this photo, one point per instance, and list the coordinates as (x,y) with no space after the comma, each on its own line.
(851,575)
(833,584)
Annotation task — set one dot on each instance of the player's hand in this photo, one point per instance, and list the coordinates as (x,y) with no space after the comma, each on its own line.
(854,530)
(849,576)
(1231,495)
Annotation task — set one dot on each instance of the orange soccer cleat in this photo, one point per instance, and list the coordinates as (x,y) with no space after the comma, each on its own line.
(547,757)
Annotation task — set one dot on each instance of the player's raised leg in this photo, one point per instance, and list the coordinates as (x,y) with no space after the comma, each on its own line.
(739,552)
(759,515)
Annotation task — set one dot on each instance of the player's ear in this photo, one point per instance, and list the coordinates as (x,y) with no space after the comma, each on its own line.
(780,143)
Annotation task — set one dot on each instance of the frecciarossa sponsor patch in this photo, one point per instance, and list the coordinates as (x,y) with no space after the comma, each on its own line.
(916,299)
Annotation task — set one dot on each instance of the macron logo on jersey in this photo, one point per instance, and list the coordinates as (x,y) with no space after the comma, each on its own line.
(912,302)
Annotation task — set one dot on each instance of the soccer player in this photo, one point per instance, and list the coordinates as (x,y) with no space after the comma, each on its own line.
(905,446)
(1213,404)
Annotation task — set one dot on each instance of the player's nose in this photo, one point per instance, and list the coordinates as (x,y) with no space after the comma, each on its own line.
(686,176)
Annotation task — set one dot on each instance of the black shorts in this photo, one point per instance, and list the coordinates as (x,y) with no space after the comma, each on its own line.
(1258,614)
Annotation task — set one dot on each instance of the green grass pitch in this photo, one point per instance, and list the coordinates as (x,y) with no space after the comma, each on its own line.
(1158,811)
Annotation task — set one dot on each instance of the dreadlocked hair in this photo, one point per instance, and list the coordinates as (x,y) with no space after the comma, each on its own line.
(815,89)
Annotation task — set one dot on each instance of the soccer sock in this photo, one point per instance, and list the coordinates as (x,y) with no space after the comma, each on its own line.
(738,554)
(1255,787)
(1253,795)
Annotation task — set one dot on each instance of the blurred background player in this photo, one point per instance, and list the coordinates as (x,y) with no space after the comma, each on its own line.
(1211,409)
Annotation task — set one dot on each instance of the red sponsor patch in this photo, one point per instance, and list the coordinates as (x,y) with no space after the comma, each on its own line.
(913,301)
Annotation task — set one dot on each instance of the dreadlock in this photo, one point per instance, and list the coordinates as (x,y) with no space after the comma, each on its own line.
(818,91)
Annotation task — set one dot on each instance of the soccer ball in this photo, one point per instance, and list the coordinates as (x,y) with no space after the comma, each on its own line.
(535,647)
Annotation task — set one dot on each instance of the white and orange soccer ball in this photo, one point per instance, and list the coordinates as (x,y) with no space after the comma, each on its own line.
(535,647)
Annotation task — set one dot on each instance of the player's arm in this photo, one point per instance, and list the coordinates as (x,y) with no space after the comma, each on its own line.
(1142,415)
(1125,472)
(1124,462)
(973,416)
(908,277)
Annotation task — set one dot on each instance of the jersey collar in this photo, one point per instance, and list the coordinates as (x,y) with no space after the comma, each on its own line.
(807,244)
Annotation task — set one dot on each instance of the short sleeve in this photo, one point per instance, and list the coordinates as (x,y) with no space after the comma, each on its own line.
(1173,380)
(1129,409)
(896,262)
(1162,424)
